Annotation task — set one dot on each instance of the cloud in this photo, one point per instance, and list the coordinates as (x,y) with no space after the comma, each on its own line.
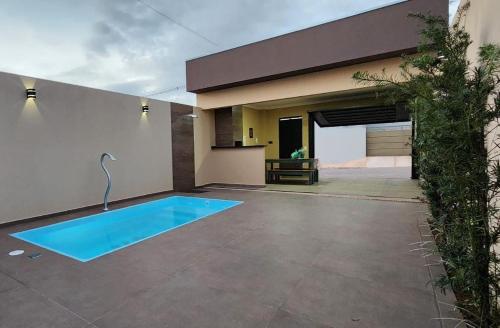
(135,39)
(125,46)
(106,36)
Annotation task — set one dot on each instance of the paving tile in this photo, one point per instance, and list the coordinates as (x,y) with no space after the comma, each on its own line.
(21,265)
(167,256)
(89,289)
(327,219)
(393,267)
(265,279)
(7,283)
(283,319)
(358,182)
(301,249)
(185,302)
(333,299)
(91,293)
(24,308)
(210,232)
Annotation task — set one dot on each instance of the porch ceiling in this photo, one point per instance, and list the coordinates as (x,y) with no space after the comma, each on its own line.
(331,97)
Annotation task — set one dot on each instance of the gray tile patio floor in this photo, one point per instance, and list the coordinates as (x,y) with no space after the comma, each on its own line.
(278,260)
(374,182)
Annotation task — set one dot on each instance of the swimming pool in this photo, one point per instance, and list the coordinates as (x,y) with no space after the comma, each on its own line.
(90,237)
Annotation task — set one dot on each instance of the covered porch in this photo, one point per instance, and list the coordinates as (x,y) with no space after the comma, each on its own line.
(356,131)
(352,129)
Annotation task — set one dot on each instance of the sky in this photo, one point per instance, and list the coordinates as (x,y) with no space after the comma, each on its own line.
(139,47)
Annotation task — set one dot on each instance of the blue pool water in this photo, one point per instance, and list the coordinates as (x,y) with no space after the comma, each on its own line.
(89,237)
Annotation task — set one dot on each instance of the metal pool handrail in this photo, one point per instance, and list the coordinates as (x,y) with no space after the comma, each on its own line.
(111,157)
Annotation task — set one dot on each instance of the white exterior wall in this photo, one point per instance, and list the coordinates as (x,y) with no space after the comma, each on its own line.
(335,145)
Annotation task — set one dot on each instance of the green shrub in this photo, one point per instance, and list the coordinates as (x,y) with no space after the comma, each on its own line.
(455,108)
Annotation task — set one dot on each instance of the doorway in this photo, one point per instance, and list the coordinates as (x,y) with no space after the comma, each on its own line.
(290,135)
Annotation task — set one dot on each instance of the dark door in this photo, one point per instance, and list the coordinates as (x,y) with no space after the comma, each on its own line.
(290,130)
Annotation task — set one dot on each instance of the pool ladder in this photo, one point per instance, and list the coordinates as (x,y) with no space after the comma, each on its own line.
(106,194)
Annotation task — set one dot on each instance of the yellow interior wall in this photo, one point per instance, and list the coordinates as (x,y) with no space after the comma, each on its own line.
(253,119)
(271,124)
(265,122)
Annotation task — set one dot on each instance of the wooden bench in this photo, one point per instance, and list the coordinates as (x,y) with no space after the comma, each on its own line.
(274,176)
(291,168)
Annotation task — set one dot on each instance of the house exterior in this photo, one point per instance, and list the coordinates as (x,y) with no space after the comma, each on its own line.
(262,100)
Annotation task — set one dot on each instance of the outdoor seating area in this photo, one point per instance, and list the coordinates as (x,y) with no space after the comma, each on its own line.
(291,170)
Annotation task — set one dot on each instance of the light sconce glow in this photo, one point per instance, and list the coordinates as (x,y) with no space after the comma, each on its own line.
(291,118)
(145,109)
(31,93)
(191,115)
(442,58)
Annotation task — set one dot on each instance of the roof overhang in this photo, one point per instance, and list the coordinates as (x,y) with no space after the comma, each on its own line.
(361,115)
(378,34)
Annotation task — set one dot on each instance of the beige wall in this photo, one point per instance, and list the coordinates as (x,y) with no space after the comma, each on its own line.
(483,25)
(238,166)
(50,147)
(333,80)
(231,166)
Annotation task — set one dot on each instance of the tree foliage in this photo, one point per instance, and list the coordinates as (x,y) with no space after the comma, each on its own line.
(455,107)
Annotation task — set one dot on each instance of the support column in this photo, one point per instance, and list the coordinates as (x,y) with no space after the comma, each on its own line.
(182,147)
(414,155)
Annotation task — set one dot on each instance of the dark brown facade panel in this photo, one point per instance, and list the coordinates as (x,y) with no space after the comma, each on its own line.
(182,147)
(377,34)
(224,127)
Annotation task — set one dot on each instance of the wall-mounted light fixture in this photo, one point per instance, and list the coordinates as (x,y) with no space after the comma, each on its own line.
(291,118)
(145,109)
(31,93)
(191,115)
(441,59)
